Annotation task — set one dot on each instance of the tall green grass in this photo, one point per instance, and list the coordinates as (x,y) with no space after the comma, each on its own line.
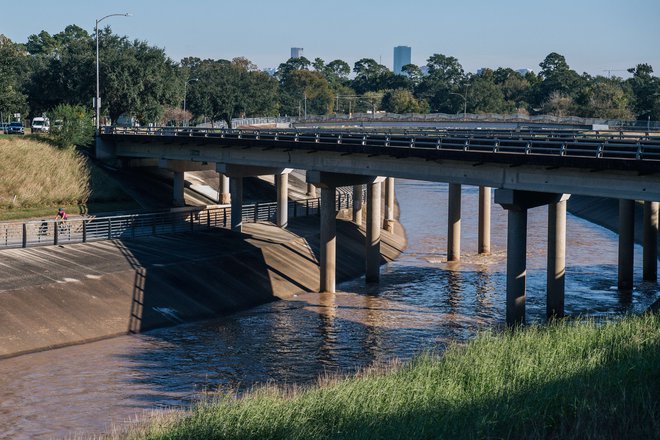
(36,178)
(563,381)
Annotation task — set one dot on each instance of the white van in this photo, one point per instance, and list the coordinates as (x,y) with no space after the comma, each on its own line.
(40,124)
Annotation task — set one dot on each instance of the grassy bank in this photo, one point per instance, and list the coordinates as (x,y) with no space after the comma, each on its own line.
(37,178)
(566,380)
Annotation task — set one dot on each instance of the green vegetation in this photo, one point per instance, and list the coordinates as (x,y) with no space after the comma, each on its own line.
(141,82)
(566,380)
(72,125)
(37,178)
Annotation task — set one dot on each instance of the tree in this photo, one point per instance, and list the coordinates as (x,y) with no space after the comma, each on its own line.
(72,126)
(403,101)
(604,98)
(304,87)
(370,76)
(646,91)
(485,96)
(557,79)
(445,77)
(13,66)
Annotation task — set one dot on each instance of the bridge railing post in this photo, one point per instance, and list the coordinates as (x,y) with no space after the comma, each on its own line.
(24,244)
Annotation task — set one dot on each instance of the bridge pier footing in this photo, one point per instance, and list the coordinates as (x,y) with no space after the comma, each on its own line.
(650,239)
(626,244)
(373,233)
(454,223)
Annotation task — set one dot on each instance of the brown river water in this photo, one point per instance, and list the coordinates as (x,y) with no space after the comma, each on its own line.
(421,303)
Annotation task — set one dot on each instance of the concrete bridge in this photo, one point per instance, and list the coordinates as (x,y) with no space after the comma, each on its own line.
(527,170)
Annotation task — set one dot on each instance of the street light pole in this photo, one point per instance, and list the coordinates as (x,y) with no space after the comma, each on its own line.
(464,96)
(97,102)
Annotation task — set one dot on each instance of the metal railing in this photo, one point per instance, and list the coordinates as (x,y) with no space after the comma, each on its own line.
(86,229)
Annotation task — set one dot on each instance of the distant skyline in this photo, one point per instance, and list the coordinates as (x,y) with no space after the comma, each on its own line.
(598,37)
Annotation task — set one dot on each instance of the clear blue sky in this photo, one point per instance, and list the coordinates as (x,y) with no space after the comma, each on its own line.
(592,35)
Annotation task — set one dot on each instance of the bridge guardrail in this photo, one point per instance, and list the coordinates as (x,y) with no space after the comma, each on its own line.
(89,228)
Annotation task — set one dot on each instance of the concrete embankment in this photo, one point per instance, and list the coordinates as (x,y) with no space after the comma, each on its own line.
(605,212)
(62,295)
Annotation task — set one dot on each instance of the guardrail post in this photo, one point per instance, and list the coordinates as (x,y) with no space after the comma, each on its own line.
(208,219)
(109,228)
(84,231)
(56,232)
(307,207)
(256,212)
(24,234)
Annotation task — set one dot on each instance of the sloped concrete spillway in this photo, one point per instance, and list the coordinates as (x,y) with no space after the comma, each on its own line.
(56,296)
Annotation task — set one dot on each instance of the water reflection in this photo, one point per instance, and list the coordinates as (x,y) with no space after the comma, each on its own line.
(421,302)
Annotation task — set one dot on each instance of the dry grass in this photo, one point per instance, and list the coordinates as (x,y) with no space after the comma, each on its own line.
(34,174)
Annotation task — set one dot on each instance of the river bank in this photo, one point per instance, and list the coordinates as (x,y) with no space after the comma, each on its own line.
(62,295)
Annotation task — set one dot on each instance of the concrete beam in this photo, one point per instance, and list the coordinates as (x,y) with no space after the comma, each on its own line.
(232,170)
(516,199)
(185,165)
(322,179)
(604,183)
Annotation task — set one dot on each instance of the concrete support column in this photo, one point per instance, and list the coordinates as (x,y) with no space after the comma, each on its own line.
(516,266)
(483,236)
(178,185)
(311,190)
(556,259)
(373,232)
(328,240)
(358,195)
(388,221)
(454,223)
(224,198)
(282,186)
(651,241)
(626,243)
(236,189)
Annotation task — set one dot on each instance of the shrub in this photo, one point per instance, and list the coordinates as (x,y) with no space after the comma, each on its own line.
(71,126)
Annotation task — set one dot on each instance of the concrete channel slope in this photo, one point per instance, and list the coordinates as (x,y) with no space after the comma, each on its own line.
(62,295)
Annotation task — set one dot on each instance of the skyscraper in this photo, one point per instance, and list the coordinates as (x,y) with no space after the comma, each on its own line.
(401,58)
(296,52)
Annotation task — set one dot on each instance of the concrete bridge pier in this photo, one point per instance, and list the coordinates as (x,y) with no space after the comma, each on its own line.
(388,221)
(311,190)
(178,169)
(358,195)
(483,234)
(556,265)
(454,223)
(282,186)
(626,244)
(517,203)
(650,240)
(236,173)
(373,232)
(328,182)
(236,190)
(223,190)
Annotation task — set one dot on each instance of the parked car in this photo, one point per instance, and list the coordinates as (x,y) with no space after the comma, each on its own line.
(40,124)
(15,128)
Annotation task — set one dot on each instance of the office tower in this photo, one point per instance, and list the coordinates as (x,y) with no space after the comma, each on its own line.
(296,52)
(401,58)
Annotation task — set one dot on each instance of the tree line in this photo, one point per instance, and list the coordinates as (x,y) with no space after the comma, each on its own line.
(140,80)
